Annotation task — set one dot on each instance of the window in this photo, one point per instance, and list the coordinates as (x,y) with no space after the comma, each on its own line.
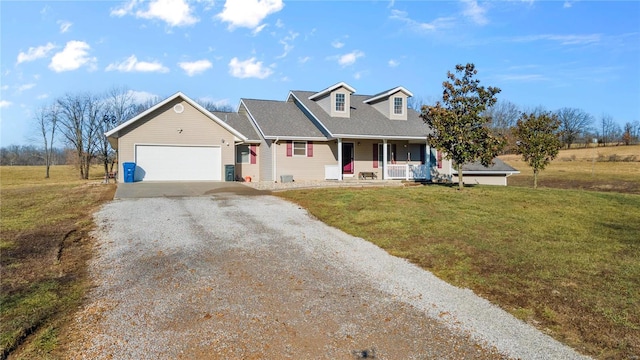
(243,154)
(300,148)
(339,102)
(397,106)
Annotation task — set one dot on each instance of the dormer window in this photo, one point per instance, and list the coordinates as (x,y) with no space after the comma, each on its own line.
(398,108)
(340,102)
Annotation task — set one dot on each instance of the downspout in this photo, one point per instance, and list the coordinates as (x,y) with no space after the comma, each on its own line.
(275,157)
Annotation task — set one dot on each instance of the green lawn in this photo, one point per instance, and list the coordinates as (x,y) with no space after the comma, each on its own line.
(565,261)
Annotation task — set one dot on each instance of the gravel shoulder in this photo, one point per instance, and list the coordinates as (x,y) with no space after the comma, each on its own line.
(234,277)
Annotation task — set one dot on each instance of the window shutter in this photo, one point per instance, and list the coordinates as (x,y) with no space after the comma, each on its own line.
(252,151)
(310,149)
(423,149)
(375,156)
(289,148)
(439,159)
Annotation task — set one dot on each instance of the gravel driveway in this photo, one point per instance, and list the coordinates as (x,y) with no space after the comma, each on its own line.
(237,277)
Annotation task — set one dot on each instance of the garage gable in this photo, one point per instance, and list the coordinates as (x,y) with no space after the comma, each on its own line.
(176,140)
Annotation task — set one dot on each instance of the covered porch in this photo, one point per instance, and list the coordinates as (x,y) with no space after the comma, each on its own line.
(382,159)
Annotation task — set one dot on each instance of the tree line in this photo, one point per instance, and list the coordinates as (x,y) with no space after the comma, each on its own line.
(469,125)
(78,121)
(578,128)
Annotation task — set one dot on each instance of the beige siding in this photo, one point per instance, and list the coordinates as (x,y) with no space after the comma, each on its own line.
(266,160)
(305,168)
(483,180)
(385,107)
(252,170)
(328,103)
(165,126)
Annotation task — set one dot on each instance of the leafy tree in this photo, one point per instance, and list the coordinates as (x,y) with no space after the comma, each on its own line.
(458,128)
(573,123)
(537,140)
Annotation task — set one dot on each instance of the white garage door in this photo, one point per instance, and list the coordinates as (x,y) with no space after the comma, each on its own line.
(164,163)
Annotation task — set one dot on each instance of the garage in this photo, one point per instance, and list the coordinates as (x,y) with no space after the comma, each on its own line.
(171,163)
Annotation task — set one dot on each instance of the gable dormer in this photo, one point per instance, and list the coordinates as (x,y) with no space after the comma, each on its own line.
(391,103)
(335,100)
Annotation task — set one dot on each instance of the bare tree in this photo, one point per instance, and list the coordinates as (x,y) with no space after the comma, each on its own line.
(573,123)
(501,118)
(118,108)
(79,123)
(627,136)
(47,121)
(610,129)
(213,106)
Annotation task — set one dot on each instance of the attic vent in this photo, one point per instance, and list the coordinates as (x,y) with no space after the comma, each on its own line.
(178,108)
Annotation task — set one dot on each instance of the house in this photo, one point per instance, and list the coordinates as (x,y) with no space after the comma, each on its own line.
(333,134)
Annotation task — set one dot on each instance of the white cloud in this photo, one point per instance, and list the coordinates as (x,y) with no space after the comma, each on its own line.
(35,53)
(303,60)
(286,43)
(64,26)
(141,97)
(4,87)
(437,24)
(42,96)
(5,103)
(249,68)
(125,9)
(562,39)
(279,24)
(248,13)
(258,29)
(25,87)
(131,64)
(195,67)
(523,77)
(74,55)
(173,12)
(350,58)
(393,63)
(475,12)
(567,4)
(337,44)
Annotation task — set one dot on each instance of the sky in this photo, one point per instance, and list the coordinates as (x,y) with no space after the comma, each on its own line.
(554,54)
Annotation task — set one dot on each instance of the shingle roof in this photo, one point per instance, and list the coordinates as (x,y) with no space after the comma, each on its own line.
(238,122)
(282,119)
(387,93)
(498,166)
(365,120)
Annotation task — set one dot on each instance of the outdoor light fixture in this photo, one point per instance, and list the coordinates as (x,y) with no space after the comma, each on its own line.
(179,131)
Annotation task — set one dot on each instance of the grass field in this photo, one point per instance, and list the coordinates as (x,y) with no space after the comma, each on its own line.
(44,248)
(615,168)
(565,261)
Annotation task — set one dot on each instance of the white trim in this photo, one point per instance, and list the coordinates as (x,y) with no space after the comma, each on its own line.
(380,137)
(293,148)
(166,101)
(388,94)
(297,138)
(251,118)
(330,89)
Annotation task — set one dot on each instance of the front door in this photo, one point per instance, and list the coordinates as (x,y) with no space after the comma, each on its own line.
(347,158)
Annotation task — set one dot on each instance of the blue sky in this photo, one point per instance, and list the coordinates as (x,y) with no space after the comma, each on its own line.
(582,54)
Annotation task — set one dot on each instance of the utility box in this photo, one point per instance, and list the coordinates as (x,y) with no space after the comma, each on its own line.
(129,171)
(229,173)
(286,178)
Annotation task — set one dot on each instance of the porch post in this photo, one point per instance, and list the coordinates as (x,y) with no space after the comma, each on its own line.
(427,161)
(384,159)
(340,159)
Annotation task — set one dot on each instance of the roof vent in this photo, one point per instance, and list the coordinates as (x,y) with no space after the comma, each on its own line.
(178,108)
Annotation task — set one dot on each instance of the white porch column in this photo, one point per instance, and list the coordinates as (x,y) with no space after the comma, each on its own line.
(384,159)
(340,159)
(427,159)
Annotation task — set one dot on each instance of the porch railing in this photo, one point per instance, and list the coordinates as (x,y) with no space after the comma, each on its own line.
(407,172)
